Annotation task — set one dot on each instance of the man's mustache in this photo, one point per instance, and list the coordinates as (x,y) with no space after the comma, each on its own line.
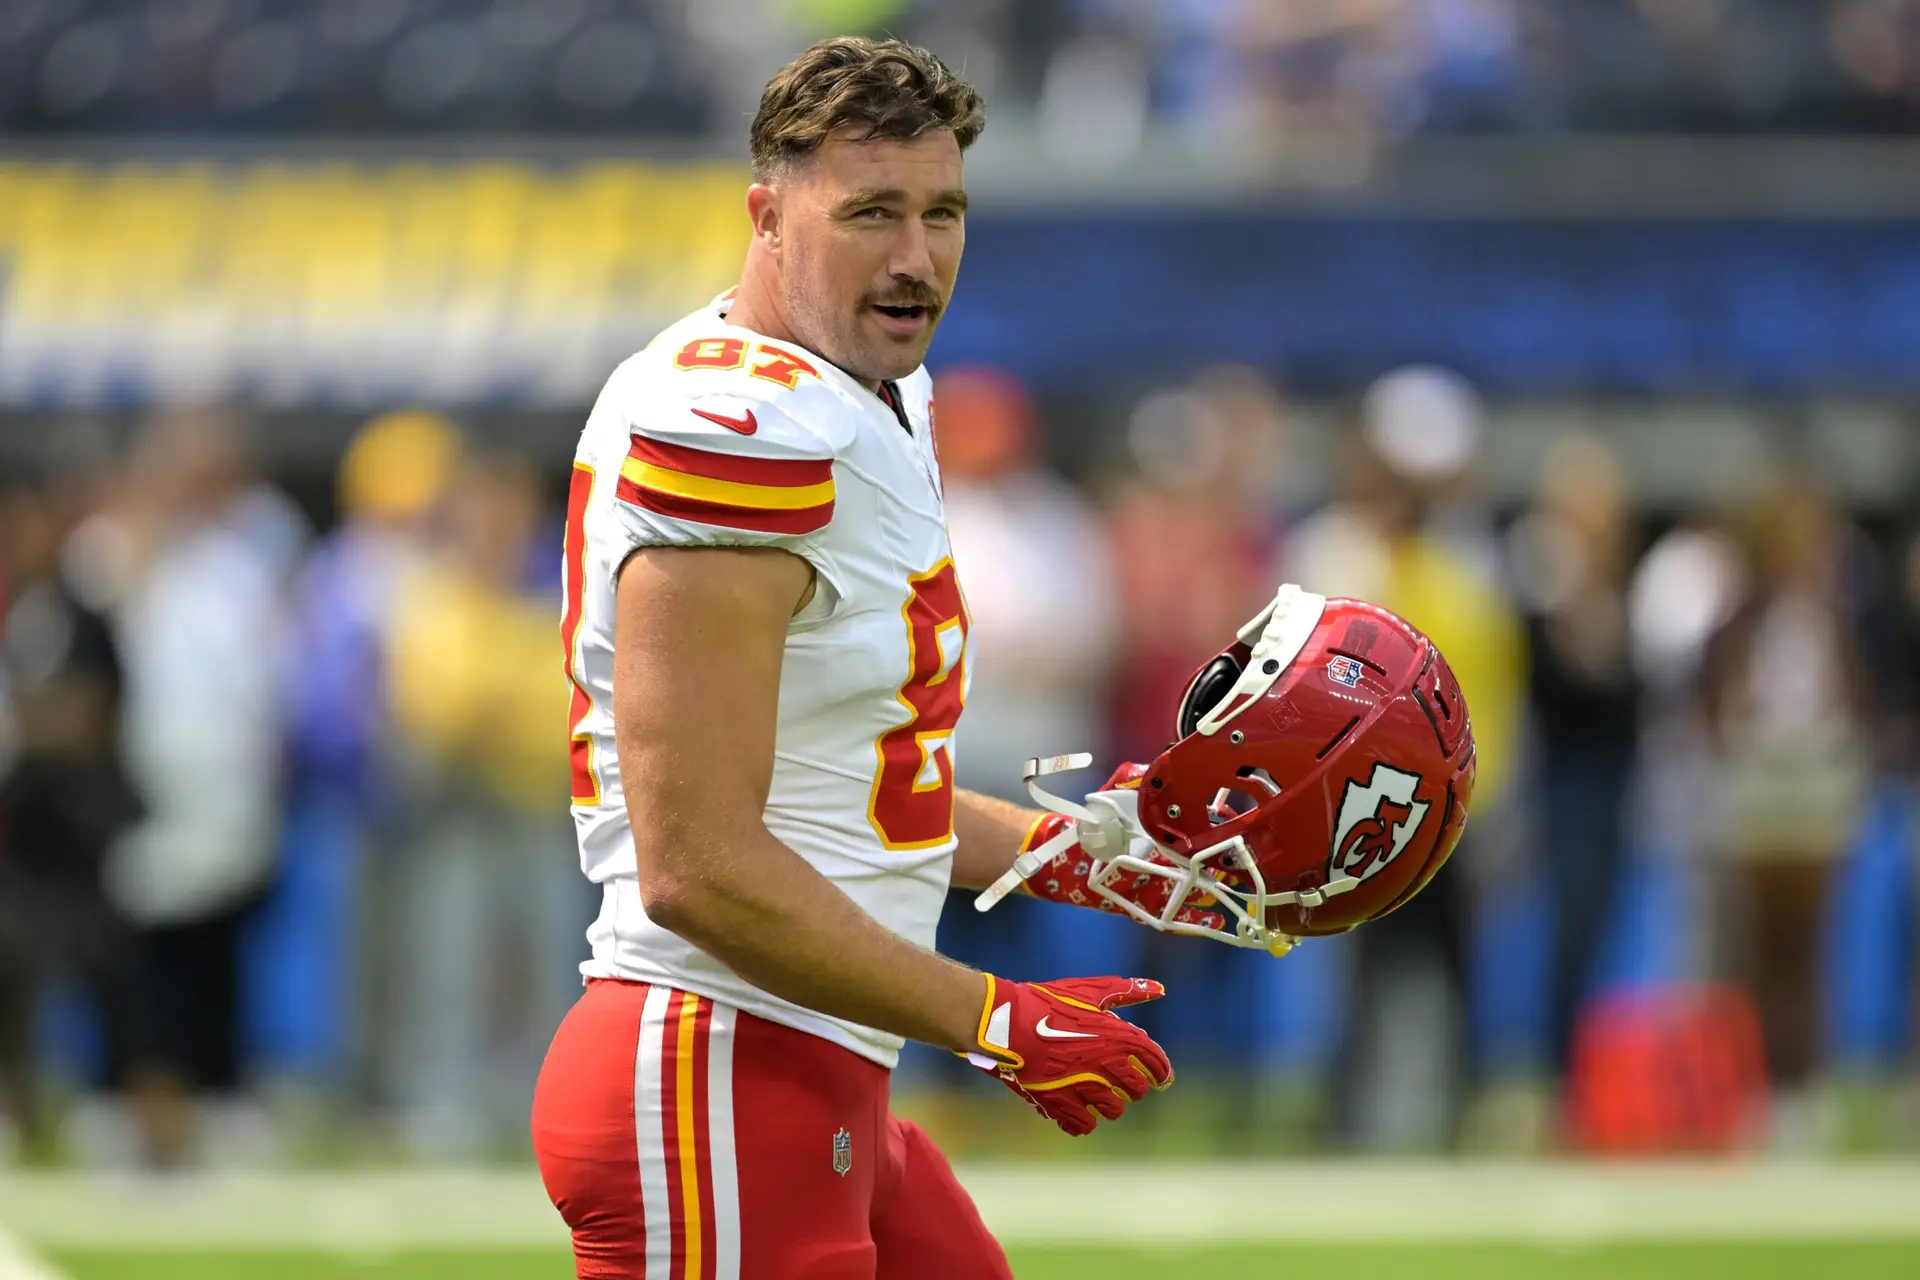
(908,296)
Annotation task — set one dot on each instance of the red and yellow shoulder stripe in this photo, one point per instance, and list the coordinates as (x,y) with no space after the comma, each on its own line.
(768,495)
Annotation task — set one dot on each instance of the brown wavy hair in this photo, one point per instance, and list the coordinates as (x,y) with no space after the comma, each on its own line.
(887,87)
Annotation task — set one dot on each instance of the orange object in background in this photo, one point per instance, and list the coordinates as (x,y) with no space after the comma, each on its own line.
(1678,1069)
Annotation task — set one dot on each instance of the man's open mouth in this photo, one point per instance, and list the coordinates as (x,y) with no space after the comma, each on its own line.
(901,313)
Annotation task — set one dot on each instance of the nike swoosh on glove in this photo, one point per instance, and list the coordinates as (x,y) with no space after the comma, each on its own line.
(1064,877)
(1057,1045)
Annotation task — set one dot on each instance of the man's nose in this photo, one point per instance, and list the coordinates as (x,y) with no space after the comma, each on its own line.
(912,252)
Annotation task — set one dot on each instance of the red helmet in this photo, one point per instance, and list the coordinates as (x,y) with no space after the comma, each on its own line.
(1322,777)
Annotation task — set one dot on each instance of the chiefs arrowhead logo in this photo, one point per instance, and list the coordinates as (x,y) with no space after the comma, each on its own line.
(745,425)
(1377,822)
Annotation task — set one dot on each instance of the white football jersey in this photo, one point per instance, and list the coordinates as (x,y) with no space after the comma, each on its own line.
(714,436)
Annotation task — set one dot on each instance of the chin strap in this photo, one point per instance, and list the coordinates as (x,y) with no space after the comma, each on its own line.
(1105,831)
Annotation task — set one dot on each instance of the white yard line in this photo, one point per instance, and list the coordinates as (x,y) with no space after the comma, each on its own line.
(1138,1202)
(1541,1203)
(370,1212)
(17,1264)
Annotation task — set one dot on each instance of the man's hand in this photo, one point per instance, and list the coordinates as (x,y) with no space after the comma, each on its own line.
(1064,877)
(1057,1045)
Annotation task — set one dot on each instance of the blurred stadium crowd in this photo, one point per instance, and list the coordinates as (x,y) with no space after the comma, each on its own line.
(1228,72)
(284,817)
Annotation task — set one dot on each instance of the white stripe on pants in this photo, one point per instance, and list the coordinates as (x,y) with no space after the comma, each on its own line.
(726,1173)
(649,1113)
(652,1085)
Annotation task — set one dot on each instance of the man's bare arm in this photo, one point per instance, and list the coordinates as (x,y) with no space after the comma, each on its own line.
(697,657)
(990,832)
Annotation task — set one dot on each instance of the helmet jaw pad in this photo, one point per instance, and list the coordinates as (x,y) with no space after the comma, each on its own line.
(1284,627)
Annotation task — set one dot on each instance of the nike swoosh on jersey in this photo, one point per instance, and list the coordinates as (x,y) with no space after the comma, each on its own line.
(746,425)
(1042,1029)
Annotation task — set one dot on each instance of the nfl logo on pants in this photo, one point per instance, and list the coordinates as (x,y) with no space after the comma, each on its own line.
(842,1152)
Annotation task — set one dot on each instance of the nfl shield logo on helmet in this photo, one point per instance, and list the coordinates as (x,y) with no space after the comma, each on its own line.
(1344,670)
(842,1152)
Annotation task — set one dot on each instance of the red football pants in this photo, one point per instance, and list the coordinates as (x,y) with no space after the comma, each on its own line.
(686,1140)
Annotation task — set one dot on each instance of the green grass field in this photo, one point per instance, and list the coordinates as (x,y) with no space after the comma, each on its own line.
(1122,1220)
(1704,1261)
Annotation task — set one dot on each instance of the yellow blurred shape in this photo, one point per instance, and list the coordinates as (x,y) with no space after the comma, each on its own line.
(398,465)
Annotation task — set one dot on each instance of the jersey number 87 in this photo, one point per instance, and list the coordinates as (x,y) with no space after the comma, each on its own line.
(912,802)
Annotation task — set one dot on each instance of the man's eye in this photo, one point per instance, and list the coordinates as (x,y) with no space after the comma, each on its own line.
(944,215)
(873,214)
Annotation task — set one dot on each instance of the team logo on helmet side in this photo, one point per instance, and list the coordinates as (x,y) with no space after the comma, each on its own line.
(1378,820)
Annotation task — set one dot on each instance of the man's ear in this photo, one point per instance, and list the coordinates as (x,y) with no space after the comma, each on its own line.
(763,212)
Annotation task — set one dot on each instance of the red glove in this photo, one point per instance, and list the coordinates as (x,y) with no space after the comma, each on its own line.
(1056,1045)
(1064,877)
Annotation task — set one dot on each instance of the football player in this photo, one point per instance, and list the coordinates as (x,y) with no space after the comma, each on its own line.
(767,645)
(768,650)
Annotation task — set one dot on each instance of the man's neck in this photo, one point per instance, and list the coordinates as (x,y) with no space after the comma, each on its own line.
(755,309)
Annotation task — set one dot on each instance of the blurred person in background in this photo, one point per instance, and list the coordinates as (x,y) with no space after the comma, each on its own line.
(492,907)
(343,798)
(1907,754)
(1201,491)
(195,555)
(1041,593)
(1410,533)
(1788,699)
(1685,587)
(1040,584)
(64,797)
(1572,554)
